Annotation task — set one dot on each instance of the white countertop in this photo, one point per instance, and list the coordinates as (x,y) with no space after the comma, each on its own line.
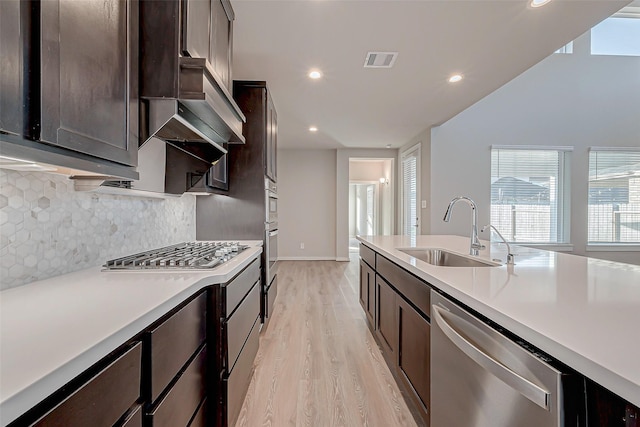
(54,329)
(582,311)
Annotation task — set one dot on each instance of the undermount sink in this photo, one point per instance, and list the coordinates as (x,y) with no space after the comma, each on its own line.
(442,258)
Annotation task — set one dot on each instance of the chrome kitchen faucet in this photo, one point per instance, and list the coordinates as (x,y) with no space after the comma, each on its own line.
(475,244)
(510,256)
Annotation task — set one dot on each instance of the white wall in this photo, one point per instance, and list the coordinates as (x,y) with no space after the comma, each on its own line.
(574,100)
(307,204)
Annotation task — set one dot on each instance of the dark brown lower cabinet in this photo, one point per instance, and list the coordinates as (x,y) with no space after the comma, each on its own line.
(402,328)
(386,320)
(104,399)
(190,368)
(236,326)
(414,337)
(368,292)
(181,401)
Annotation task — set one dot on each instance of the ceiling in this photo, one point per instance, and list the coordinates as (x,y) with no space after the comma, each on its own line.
(489,42)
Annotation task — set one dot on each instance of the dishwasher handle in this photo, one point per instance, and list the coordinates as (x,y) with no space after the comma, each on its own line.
(525,387)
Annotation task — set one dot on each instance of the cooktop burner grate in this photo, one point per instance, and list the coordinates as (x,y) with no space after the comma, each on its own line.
(189,255)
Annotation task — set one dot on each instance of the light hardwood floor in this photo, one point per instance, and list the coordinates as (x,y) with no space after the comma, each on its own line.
(318,364)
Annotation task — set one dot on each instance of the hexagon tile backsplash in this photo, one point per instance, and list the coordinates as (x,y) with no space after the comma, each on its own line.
(48,229)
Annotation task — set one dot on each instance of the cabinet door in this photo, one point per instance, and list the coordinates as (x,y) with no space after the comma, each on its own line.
(11,66)
(207,33)
(367,292)
(274,143)
(89,76)
(414,335)
(386,319)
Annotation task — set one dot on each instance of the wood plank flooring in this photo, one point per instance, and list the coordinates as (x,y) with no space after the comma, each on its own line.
(318,364)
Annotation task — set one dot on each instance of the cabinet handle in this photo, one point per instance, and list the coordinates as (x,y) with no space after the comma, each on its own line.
(525,387)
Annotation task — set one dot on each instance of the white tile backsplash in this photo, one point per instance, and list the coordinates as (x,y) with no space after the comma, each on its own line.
(48,229)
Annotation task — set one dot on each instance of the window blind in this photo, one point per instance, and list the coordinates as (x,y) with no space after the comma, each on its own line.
(614,196)
(527,194)
(410,193)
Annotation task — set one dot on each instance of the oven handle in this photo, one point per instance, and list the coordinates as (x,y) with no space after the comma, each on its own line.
(273,233)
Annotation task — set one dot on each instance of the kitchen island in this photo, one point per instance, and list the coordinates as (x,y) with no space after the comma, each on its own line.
(53,330)
(581,311)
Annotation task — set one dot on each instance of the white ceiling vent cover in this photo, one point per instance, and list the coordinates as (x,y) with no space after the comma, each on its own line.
(380,59)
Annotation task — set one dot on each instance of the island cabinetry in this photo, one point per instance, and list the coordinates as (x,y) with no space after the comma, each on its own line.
(402,328)
(367,292)
(235,326)
(413,356)
(175,366)
(107,399)
(386,320)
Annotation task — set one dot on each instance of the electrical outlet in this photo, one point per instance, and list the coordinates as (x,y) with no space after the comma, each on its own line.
(424,204)
(301,245)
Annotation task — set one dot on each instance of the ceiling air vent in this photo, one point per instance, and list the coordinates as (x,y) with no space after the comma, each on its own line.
(380,59)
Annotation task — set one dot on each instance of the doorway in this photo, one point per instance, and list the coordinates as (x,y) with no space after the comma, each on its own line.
(363,211)
(370,198)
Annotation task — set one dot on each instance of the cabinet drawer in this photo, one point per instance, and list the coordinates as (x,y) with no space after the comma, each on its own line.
(412,288)
(103,399)
(239,325)
(238,288)
(236,384)
(368,255)
(181,402)
(174,342)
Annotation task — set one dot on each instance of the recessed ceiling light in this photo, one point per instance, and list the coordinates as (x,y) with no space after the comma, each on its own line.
(315,74)
(455,78)
(313,129)
(538,3)
(388,145)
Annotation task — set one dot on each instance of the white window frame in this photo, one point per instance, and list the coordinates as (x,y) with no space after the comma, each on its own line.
(609,246)
(564,196)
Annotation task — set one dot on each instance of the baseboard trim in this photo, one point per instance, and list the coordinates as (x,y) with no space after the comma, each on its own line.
(342,259)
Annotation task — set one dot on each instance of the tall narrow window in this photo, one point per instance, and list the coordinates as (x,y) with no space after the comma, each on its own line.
(614,196)
(528,191)
(410,166)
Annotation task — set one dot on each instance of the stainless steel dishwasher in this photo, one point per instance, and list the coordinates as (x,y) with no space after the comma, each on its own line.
(481,378)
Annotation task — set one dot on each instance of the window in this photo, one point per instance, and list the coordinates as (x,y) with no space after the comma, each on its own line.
(410,167)
(528,193)
(567,48)
(618,35)
(614,196)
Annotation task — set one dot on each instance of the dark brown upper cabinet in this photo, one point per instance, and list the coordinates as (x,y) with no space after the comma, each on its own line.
(69,84)
(260,131)
(208,33)
(89,75)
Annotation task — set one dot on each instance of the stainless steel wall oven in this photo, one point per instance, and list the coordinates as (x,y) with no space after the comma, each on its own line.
(270,248)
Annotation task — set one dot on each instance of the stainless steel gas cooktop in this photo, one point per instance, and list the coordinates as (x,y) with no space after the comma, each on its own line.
(189,255)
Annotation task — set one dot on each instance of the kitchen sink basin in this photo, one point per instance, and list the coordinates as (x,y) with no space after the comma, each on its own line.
(442,258)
